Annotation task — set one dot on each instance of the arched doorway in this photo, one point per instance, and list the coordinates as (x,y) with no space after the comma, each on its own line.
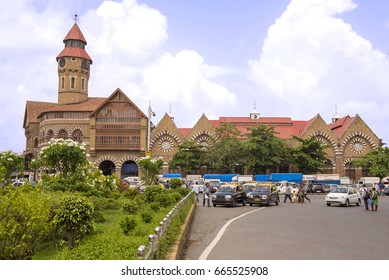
(108,167)
(129,168)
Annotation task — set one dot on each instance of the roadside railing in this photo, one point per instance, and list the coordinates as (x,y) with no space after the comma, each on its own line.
(147,252)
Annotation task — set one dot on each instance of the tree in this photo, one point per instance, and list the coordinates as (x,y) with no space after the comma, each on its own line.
(263,150)
(67,157)
(150,168)
(190,156)
(10,163)
(225,149)
(376,161)
(309,156)
(75,218)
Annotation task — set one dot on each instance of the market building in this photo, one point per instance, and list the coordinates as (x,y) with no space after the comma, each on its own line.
(116,132)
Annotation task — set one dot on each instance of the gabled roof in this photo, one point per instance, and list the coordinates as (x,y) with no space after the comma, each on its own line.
(340,126)
(120,95)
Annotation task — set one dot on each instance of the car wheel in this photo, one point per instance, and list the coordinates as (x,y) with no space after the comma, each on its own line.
(214,205)
(328,204)
(244,203)
(347,203)
(251,204)
(358,202)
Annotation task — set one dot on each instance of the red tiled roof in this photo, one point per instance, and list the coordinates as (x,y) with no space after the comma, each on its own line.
(34,109)
(341,124)
(88,106)
(75,34)
(185,131)
(75,52)
(283,126)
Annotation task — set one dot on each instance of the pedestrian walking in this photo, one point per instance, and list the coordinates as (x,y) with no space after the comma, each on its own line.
(374,200)
(301,195)
(196,189)
(305,188)
(206,195)
(366,197)
(288,191)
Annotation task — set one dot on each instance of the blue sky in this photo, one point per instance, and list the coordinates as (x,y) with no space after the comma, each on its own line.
(294,58)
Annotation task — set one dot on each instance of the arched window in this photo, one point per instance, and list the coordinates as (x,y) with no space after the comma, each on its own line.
(77,136)
(49,135)
(36,142)
(63,134)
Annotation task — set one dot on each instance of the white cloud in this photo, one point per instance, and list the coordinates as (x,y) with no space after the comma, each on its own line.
(182,80)
(312,60)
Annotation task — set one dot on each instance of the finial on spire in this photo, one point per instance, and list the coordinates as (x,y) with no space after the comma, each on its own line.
(255,107)
(75,18)
(336,116)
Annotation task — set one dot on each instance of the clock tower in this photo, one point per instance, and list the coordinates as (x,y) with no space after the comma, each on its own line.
(73,68)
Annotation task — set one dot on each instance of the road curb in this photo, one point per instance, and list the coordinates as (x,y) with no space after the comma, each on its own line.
(177,248)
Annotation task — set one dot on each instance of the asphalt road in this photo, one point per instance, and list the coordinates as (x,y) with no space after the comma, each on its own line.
(309,231)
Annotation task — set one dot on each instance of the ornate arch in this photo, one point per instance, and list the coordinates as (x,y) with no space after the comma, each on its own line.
(201,137)
(165,136)
(324,135)
(109,158)
(77,128)
(358,135)
(127,158)
(345,162)
(58,130)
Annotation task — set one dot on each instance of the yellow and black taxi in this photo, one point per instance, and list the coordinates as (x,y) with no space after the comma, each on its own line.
(229,194)
(263,194)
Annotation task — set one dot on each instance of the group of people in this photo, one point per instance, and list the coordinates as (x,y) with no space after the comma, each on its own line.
(370,196)
(206,193)
(296,197)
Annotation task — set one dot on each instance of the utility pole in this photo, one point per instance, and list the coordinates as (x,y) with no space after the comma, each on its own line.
(150,114)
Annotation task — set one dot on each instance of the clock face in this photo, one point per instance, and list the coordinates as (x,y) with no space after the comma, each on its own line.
(62,62)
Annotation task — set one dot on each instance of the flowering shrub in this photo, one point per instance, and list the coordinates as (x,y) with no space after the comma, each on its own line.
(150,168)
(10,162)
(65,156)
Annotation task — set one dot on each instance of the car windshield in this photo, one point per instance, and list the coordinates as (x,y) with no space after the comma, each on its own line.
(249,187)
(340,190)
(230,189)
(262,189)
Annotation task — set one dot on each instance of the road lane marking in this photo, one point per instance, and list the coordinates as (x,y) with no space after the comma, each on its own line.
(219,235)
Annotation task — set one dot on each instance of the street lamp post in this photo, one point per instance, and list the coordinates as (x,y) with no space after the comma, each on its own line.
(151,113)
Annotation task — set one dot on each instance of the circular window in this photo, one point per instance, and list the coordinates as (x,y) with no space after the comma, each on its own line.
(358,146)
(165,144)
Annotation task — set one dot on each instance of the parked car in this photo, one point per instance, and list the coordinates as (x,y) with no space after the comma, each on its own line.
(264,194)
(321,188)
(229,195)
(343,196)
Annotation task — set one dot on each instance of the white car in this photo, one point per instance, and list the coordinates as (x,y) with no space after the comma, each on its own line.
(343,196)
